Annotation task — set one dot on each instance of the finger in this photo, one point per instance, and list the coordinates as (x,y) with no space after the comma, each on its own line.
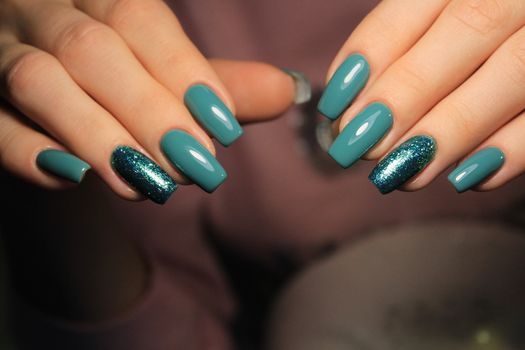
(153,33)
(485,102)
(37,85)
(260,91)
(496,162)
(21,147)
(103,66)
(427,73)
(381,38)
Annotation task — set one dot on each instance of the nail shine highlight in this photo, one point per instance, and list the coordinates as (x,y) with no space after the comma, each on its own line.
(403,163)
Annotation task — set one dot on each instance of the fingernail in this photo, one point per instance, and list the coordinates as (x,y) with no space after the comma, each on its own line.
(193,160)
(303,89)
(143,174)
(361,134)
(346,83)
(213,114)
(403,163)
(62,164)
(476,168)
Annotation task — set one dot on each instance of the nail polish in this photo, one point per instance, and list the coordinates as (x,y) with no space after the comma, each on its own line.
(403,163)
(346,83)
(476,168)
(143,174)
(212,113)
(193,160)
(303,88)
(361,134)
(62,164)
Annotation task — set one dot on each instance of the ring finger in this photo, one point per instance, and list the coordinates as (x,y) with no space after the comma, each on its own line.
(460,122)
(39,87)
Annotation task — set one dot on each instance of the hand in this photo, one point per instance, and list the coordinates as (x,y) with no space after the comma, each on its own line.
(445,79)
(117,86)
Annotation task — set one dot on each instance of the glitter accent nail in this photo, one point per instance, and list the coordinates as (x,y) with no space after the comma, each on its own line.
(143,174)
(403,163)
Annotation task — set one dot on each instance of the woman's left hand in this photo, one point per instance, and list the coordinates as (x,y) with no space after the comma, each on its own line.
(439,81)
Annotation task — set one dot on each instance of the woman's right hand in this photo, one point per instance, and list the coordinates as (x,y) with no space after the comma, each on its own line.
(117,86)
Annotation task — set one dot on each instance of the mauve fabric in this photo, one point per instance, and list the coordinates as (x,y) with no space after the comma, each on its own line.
(277,200)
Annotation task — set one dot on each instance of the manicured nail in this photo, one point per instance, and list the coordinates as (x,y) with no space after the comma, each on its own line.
(361,134)
(346,83)
(476,168)
(193,160)
(303,89)
(143,174)
(403,163)
(213,114)
(62,164)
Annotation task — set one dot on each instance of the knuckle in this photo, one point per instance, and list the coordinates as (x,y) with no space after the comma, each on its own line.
(482,15)
(517,61)
(412,78)
(9,145)
(80,37)
(383,29)
(122,12)
(463,119)
(26,72)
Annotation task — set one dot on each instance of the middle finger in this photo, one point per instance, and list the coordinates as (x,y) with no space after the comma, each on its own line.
(461,39)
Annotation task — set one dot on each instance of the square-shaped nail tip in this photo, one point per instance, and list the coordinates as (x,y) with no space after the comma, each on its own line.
(62,164)
(360,135)
(193,160)
(303,88)
(143,174)
(403,163)
(346,83)
(209,110)
(230,139)
(476,169)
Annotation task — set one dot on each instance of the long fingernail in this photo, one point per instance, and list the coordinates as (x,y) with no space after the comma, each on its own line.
(303,88)
(213,114)
(346,83)
(476,168)
(143,174)
(62,164)
(193,160)
(361,134)
(403,163)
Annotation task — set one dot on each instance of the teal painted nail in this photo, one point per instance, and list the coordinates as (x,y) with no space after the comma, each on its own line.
(361,134)
(348,80)
(303,88)
(403,163)
(143,174)
(62,164)
(476,168)
(213,114)
(193,160)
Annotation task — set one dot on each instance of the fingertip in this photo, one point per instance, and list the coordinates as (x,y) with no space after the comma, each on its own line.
(260,91)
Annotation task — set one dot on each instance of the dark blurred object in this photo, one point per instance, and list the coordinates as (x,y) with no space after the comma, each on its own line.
(455,285)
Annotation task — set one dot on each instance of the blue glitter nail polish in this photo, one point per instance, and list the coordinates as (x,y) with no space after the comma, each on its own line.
(143,174)
(403,163)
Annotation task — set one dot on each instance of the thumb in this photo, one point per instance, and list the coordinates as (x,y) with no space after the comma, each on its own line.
(261,91)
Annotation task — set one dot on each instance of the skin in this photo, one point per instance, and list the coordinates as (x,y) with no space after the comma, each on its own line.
(98,74)
(454,71)
(89,76)
(86,76)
